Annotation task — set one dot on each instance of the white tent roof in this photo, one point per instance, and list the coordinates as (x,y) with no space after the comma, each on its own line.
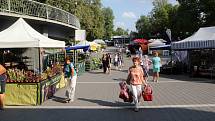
(99,41)
(156,43)
(152,40)
(22,35)
(203,38)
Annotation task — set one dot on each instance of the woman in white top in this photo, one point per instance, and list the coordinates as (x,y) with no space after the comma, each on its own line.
(116,58)
(145,64)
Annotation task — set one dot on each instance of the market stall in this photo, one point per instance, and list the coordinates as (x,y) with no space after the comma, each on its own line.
(94,46)
(200,47)
(80,61)
(28,83)
(156,43)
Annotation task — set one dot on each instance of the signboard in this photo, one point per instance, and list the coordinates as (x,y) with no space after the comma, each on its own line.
(80,35)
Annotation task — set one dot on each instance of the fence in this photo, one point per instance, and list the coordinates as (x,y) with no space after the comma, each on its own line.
(40,10)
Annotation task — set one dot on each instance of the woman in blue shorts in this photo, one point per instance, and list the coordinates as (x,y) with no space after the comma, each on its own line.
(156,66)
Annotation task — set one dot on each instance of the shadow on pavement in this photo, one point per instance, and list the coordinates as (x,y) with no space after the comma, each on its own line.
(147,114)
(106,103)
(94,72)
(119,79)
(123,70)
(187,78)
(59,99)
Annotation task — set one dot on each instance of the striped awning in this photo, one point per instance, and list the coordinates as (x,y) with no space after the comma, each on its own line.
(204,38)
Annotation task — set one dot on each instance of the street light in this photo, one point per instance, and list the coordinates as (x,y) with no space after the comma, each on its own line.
(168,32)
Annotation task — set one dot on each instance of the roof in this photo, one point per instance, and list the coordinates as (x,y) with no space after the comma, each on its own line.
(203,38)
(22,35)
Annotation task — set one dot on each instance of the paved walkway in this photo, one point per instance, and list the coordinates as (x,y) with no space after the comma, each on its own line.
(176,98)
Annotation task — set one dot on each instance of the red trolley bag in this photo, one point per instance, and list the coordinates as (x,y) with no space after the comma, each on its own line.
(147,93)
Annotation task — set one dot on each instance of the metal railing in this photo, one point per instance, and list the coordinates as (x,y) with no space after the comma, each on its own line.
(36,9)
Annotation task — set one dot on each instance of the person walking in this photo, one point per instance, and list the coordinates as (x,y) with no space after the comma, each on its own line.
(116,60)
(156,66)
(71,76)
(104,62)
(145,65)
(108,62)
(3,79)
(120,61)
(136,79)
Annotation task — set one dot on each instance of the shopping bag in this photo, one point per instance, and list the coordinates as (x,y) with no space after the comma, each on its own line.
(62,82)
(147,93)
(125,94)
(123,85)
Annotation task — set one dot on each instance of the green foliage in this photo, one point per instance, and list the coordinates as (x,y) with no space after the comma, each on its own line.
(143,25)
(108,25)
(97,22)
(208,12)
(92,64)
(120,31)
(183,19)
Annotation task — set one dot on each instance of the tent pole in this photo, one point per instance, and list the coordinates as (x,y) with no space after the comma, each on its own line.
(211,64)
(39,60)
(171,60)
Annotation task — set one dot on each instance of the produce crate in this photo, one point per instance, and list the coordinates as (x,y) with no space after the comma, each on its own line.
(19,93)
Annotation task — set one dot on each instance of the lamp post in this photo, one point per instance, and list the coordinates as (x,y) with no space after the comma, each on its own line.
(168,32)
(75,52)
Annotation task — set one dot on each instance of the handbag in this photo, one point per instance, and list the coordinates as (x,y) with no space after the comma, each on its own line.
(147,93)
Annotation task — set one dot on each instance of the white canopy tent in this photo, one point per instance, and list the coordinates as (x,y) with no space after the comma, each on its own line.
(203,38)
(99,41)
(152,40)
(22,35)
(156,43)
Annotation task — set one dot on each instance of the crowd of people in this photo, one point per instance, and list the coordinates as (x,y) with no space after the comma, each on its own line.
(107,62)
(137,74)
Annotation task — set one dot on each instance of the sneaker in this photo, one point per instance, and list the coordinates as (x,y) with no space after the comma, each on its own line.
(70,101)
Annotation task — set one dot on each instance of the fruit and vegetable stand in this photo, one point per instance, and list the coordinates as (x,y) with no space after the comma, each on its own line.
(20,93)
(27,88)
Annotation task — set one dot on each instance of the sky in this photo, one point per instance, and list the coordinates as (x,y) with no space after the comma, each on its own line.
(127,12)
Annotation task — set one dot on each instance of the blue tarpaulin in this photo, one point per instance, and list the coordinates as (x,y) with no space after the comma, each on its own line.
(76,47)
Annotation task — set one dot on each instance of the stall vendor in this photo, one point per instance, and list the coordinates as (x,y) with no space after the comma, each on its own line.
(3,79)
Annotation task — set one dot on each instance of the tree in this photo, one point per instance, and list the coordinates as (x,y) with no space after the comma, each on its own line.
(108,25)
(98,19)
(207,12)
(159,3)
(143,26)
(89,13)
(120,31)
(188,17)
